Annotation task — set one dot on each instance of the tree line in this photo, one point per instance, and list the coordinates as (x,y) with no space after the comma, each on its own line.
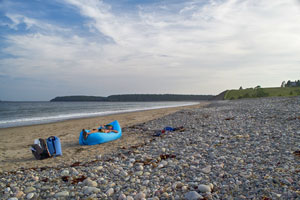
(290,83)
(136,97)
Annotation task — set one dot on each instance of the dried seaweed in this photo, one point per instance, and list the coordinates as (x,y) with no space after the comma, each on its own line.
(166,156)
(79,179)
(65,178)
(45,180)
(229,118)
(75,164)
(297,153)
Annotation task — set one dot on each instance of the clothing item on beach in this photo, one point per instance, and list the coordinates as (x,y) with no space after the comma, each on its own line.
(39,149)
(168,129)
(42,149)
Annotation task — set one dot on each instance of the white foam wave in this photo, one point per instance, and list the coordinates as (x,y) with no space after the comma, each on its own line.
(39,120)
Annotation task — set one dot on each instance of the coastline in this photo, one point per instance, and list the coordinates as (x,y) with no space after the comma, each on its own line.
(15,141)
(242,149)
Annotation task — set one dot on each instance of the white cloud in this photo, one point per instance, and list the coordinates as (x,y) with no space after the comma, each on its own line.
(223,44)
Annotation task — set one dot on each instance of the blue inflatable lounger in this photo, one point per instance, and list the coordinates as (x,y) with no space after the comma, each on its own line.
(99,137)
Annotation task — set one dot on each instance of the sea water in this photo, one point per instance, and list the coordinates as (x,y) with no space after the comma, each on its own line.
(14,114)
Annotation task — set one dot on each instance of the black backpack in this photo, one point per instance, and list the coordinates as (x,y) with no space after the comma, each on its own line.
(40,151)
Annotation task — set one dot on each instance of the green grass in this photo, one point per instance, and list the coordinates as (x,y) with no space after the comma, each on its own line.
(262,92)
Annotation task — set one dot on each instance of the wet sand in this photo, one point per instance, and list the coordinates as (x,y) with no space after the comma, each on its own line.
(15,142)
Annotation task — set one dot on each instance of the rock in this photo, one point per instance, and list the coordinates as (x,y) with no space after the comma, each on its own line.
(207,169)
(19,194)
(204,188)
(164,163)
(30,195)
(177,185)
(29,189)
(139,173)
(89,182)
(124,173)
(7,190)
(13,198)
(116,171)
(129,198)
(98,157)
(89,190)
(193,195)
(184,188)
(65,173)
(99,168)
(140,196)
(74,171)
(122,197)
(165,195)
(139,168)
(110,192)
(62,194)
(160,166)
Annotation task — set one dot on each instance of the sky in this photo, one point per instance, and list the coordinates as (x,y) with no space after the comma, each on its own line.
(52,48)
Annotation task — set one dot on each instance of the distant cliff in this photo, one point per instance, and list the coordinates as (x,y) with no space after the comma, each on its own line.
(136,97)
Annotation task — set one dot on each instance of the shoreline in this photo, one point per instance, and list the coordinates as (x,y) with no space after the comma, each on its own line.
(16,141)
(92,115)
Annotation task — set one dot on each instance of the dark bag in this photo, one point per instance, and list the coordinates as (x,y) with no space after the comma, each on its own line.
(40,150)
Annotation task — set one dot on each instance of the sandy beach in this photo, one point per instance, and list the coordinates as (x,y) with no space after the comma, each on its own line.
(15,142)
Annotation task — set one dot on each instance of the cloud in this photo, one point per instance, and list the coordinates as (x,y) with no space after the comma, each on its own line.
(187,47)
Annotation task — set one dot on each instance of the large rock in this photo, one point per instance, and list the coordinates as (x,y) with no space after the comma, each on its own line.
(204,188)
(90,183)
(193,195)
(90,190)
(62,194)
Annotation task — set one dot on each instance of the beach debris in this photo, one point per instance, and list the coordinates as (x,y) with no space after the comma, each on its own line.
(65,178)
(293,118)
(75,164)
(297,153)
(229,118)
(79,179)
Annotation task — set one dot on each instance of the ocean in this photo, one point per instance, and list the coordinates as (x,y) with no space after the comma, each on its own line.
(14,114)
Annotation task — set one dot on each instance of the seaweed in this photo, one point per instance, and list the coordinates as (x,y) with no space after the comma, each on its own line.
(79,179)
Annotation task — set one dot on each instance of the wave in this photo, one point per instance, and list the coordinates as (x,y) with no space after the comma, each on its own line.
(61,117)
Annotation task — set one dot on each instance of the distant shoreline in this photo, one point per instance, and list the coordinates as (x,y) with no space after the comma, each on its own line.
(136,98)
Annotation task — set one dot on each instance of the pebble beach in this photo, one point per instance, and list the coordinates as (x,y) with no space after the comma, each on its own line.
(241,149)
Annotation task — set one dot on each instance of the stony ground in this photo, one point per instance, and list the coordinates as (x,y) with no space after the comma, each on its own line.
(244,149)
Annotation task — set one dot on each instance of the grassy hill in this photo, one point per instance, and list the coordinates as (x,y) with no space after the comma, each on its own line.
(261,92)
